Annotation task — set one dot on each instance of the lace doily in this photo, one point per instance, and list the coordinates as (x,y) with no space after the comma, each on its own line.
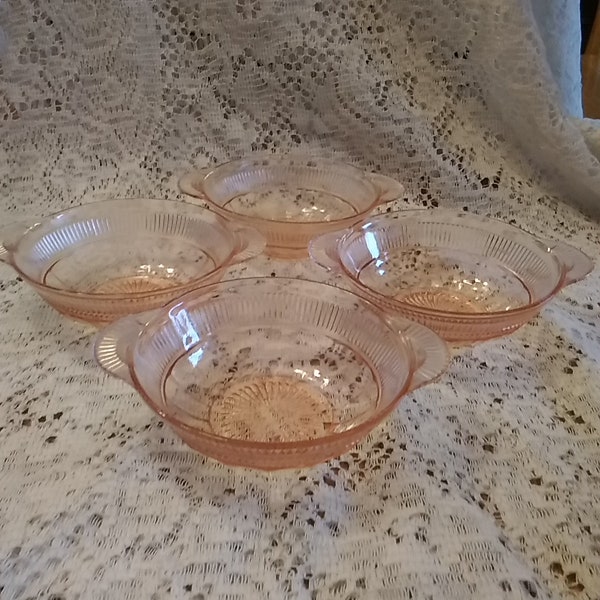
(485,484)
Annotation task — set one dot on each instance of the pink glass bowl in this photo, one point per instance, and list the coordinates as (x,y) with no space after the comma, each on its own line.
(467,277)
(271,373)
(290,199)
(106,259)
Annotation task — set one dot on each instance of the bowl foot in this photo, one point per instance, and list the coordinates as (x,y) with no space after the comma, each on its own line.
(447,300)
(134,285)
(271,409)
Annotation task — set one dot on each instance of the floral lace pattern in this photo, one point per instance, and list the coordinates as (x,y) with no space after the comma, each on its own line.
(482,485)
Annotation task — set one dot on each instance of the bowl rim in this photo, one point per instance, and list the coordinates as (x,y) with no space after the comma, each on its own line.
(203,174)
(445,314)
(123,203)
(329,439)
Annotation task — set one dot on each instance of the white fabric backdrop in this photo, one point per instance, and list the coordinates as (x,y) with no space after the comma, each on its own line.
(483,485)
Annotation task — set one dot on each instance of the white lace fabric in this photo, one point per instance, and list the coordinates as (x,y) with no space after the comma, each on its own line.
(485,484)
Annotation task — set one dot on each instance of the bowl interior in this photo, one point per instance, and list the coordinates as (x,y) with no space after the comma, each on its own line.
(272,361)
(290,190)
(450,263)
(125,247)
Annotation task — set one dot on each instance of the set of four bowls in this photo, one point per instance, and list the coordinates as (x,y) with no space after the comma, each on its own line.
(277,373)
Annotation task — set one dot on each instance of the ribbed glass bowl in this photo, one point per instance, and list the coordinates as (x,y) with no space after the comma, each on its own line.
(291,198)
(467,277)
(103,260)
(271,373)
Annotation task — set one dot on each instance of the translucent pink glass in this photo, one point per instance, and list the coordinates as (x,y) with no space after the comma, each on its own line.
(103,260)
(290,199)
(271,373)
(467,277)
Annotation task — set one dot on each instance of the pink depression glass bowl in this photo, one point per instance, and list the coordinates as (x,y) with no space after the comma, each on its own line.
(103,260)
(469,278)
(290,199)
(271,373)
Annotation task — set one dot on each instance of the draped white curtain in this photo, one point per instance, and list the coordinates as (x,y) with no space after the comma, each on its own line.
(558,23)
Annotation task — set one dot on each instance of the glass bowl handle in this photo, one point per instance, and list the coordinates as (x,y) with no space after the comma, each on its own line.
(389,189)
(113,344)
(191,183)
(577,265)
(9,238)
(251,243)
(431,351)
(322,251)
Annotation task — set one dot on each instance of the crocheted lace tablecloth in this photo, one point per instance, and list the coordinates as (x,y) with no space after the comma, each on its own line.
(485,484)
